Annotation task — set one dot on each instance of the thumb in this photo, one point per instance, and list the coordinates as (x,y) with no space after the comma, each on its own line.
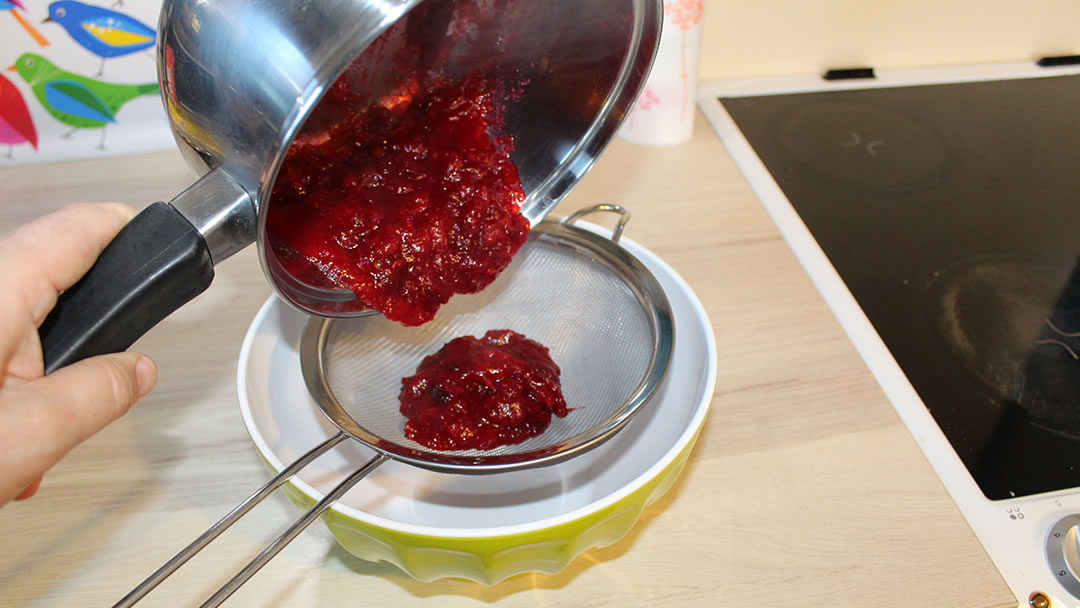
(44,419)
(89,394)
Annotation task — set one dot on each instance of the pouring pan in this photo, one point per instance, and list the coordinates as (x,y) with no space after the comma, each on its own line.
(240,77)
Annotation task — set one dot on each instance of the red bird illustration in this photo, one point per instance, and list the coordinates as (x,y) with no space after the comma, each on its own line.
(16,126)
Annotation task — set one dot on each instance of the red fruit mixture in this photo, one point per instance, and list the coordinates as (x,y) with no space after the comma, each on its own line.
(405,202)
(479,394)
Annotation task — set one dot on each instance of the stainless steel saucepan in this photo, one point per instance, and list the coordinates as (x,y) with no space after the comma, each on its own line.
(239,77)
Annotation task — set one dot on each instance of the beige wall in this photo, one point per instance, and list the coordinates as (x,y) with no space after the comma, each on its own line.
(746,38)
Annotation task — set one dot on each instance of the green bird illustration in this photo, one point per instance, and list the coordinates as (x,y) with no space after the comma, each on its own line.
(77,101)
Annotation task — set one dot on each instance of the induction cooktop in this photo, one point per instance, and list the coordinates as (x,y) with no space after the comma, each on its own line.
(938,212)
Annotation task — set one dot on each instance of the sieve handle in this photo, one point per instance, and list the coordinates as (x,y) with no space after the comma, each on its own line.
(294,530)
(624,217)
(197,545)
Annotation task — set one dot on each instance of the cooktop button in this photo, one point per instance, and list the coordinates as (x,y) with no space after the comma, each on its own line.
(1063,552)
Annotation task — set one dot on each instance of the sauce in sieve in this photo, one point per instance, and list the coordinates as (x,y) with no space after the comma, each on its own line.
(482,393)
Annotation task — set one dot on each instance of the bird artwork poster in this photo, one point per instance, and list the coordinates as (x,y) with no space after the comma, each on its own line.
(79,80)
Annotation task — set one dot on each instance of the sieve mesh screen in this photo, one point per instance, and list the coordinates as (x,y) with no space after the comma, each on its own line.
(581,306)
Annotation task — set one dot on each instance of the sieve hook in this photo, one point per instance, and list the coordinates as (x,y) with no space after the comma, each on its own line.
(624,217)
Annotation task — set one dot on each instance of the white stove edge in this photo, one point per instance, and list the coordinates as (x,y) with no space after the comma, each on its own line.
(1014,531)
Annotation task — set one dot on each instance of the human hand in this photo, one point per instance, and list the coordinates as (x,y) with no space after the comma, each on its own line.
(43,417)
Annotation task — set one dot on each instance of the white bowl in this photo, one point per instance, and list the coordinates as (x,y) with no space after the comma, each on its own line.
(490,527)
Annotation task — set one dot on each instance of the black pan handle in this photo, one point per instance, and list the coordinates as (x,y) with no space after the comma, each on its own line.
(156,264)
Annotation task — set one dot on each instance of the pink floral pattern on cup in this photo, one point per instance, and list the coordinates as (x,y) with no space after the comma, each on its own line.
(663,113)
(684,14)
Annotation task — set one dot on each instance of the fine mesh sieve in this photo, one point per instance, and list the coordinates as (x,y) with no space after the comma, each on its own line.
(599,311)
(600,314)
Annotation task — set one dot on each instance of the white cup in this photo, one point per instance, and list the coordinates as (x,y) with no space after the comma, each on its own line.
(664,112)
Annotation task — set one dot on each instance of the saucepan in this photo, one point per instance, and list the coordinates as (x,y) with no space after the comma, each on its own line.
(239,77)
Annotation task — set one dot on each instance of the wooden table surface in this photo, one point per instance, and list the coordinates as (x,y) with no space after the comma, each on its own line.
(805,489)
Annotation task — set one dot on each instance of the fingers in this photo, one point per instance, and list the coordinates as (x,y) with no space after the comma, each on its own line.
(43,420)
(49,254)
(40,260)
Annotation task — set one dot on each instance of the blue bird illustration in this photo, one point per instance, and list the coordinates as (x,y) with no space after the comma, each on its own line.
(104,32)
(77,101)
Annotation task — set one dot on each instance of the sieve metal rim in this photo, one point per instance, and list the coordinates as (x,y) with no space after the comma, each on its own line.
(564,233)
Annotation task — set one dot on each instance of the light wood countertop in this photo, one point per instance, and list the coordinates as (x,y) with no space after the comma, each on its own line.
(805,489)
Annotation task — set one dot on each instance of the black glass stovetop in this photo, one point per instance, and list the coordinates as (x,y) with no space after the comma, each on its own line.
(952,213)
